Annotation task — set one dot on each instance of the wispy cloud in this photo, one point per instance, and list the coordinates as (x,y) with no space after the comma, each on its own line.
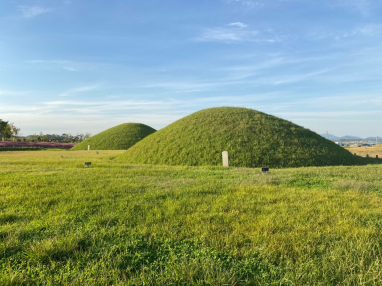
(11,93)
(22,109)
(192,86)
(288,79)
(33,11)
(133,106)
(161,112)
(368,30)
(70,69)
(60,64)
(79,90)
(246,3)
(362,6)
(225,35)
(238,24)
(236,32)
(47,62)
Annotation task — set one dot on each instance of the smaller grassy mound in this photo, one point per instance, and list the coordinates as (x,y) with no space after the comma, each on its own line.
(120,137)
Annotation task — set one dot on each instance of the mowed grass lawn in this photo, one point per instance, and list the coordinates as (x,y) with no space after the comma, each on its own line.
(62,223)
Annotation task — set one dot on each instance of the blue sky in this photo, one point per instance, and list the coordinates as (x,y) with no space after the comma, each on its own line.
(76,66)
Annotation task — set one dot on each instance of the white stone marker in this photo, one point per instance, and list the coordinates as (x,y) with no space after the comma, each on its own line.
(225,159)
(88,147)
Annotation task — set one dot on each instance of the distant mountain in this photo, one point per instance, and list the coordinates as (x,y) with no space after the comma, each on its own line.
(349,137)
(330,137)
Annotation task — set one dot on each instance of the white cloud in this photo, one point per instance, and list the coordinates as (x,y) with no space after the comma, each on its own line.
(46,62)
(369,30)
(247,3)
(288,79)
(238,25)
(60,64)
(33,11)
(362,6)
(187,87)
(225,35)
(12,93)
(86,113)
(79,90)
(70,69)
(232,34)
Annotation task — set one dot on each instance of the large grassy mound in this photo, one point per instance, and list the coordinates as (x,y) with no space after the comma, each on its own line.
(120,137)
(252,138)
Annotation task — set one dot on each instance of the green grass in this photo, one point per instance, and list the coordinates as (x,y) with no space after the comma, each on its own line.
(29,149)
(251,138)
(21,149)
(113,223)
(120,137)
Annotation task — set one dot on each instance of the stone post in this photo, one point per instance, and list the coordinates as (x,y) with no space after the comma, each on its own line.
(225,159)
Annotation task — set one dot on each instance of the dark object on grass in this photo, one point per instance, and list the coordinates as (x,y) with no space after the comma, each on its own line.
(264,169)
(87,164)
(97,152)
(376,156)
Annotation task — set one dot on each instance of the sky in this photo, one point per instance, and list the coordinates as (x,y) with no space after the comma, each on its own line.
(77,66)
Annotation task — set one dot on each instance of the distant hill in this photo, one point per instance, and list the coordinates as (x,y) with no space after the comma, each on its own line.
(373,138)
(347,137)
(252,139)
(120,137)
(330,137)
(350,137)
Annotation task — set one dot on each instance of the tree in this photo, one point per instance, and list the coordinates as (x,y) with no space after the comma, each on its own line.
(67,137)
(10,130)
(81,137)
(14,130)
(3,124)
(7,131)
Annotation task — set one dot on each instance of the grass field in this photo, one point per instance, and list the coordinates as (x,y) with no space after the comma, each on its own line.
(112,223)
(363,151)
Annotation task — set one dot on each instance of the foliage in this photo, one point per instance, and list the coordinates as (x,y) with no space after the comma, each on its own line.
(62,223)
(64,138)
(3,125)
(120,137)
(8,130)
(251,138)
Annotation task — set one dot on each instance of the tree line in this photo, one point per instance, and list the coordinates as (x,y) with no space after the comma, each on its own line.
(8,131)
(64,138)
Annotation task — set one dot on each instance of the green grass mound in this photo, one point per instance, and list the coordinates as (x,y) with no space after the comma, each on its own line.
(252,139)
(120,137)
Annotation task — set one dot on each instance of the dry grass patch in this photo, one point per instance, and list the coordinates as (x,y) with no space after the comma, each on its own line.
(363,151)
